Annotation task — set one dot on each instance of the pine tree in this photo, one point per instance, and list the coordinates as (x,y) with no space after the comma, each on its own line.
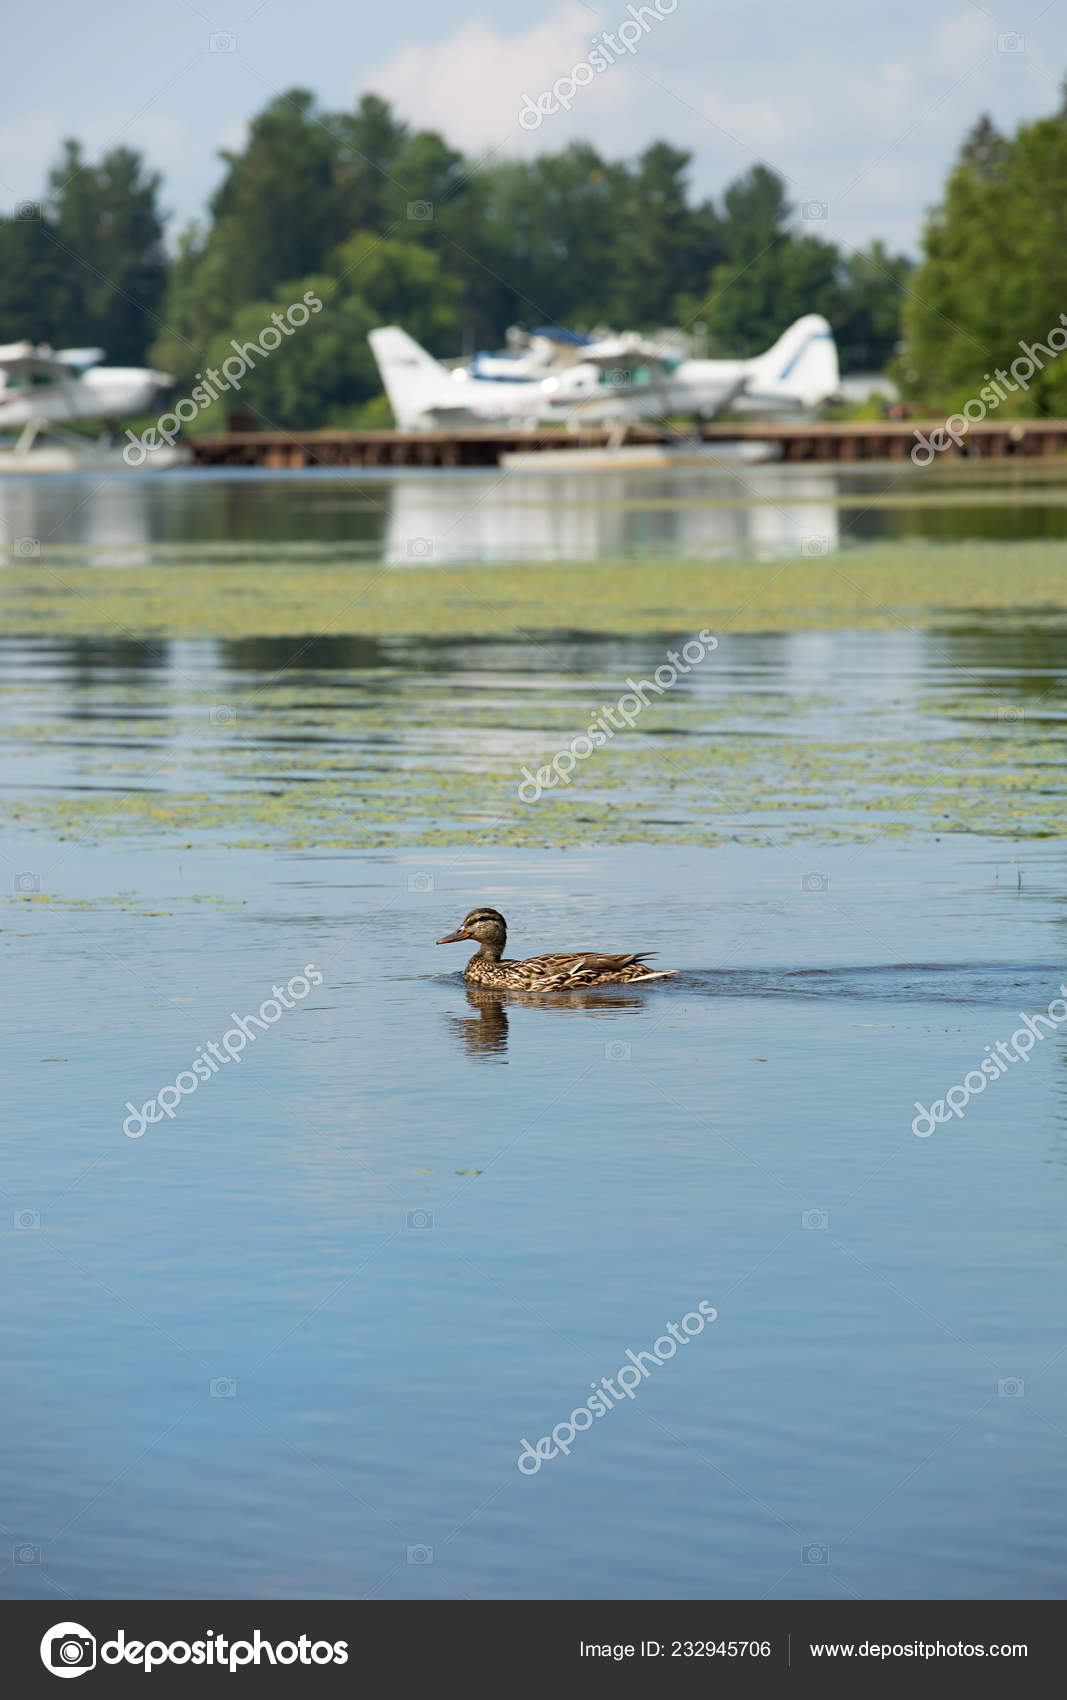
(109,228)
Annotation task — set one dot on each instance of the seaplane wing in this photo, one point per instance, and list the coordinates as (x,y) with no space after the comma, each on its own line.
(23,361)
(622,351)
(79,358)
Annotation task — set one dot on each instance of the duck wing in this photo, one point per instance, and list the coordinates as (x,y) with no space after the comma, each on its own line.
(596,962)
(564,969)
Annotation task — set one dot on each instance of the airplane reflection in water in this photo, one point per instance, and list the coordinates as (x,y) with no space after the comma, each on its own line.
(569,517)
(104,516)
(420,518)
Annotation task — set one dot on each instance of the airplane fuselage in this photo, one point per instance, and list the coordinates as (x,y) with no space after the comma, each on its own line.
(103,392)
(655,392)
(584,394)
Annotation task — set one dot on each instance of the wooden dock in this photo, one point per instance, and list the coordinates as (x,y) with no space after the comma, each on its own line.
(826,441)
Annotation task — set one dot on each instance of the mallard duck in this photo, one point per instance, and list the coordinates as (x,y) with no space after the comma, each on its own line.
(559,971)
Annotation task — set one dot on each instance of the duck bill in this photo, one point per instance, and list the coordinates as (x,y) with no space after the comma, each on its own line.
(454,938)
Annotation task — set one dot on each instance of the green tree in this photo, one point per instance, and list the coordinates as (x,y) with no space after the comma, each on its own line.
(280,208)
(867,316)
(549,228)
(369,142)
(323,373)
(304,181)
(194,298)
(756,212)
(769,275)
(751,304)
(40,293)
(433,197)
(107,221)
(994,271)
(662,249)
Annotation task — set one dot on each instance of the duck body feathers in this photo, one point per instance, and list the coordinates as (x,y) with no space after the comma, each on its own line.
(563,971)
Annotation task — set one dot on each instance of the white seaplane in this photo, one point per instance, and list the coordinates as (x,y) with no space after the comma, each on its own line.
(616,380)
(42,391)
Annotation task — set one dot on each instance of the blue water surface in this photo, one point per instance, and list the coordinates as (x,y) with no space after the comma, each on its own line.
(289,1342)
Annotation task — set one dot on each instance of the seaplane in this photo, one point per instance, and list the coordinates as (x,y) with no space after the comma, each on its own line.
(44,390)
(613,381)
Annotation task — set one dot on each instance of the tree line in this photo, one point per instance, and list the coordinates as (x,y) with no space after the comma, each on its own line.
(994,277)
(387,223)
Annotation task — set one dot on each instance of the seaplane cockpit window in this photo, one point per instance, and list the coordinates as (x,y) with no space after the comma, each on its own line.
(640,376)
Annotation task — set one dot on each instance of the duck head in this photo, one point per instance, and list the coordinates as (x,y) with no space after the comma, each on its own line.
(484,927)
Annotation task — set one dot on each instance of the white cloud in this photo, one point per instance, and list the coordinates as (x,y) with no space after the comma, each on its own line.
(959,42)
(470,85)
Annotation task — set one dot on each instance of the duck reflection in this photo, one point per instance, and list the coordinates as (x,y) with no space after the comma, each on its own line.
(485,1030)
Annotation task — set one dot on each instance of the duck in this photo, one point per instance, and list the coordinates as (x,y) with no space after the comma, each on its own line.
(555,972)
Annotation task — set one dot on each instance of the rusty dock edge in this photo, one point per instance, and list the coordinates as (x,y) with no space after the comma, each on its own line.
(853,441)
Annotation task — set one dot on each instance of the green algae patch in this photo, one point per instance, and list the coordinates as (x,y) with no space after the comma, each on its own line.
(338,705)
(286,594)
(706,784)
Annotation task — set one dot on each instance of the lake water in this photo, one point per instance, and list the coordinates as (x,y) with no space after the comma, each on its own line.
(290,1341)
(529,515)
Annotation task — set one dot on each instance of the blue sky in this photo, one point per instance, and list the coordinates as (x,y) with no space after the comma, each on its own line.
(862,110)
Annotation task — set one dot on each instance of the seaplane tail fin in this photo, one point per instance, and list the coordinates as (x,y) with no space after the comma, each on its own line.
(802,365)
(414,381)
